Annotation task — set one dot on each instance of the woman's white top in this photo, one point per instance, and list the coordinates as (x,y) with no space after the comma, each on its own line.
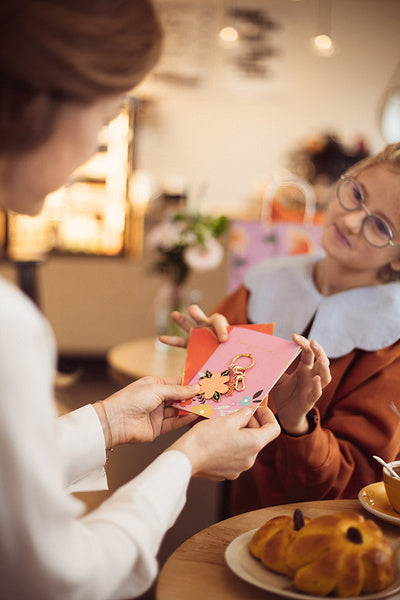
(48,549)
(283,291)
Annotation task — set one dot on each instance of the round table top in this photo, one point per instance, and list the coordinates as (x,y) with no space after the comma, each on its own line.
(146,356)
(197,569)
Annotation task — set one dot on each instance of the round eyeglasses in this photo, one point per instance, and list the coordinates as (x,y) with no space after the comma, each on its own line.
(374,229)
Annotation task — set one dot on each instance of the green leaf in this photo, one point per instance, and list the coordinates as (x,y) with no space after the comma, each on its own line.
(208,374)
(257,394)
(226,372)
(216,396)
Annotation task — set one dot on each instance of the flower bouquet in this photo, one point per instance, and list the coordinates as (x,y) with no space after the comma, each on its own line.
(183,242)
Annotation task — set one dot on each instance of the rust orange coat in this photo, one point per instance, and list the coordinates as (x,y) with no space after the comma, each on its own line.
(353,421)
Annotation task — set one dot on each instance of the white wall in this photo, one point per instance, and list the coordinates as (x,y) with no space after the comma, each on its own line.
(211,135)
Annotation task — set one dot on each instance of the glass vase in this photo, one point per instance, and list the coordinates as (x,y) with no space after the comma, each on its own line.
(170,297)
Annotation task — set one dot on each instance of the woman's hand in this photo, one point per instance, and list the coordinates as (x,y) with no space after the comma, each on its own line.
(222,448)
(296,392)
(196,318)
(143,410)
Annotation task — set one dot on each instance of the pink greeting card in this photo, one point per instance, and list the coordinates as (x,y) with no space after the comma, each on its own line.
(203,342)
(240,372)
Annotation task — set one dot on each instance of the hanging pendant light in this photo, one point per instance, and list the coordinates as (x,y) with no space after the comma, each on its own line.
(322,43)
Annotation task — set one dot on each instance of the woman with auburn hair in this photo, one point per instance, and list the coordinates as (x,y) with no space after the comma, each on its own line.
(65,66)
(349,301)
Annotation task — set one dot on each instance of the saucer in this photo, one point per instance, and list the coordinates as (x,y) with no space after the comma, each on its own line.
(374,499)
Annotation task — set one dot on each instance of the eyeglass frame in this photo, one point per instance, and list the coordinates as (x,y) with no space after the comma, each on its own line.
(364,207)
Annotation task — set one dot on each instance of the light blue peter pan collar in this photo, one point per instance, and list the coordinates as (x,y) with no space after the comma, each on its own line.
(282,291)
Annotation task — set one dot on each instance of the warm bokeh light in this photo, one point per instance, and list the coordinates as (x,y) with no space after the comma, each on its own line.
(229,35)
(140,187)
(323,45)
(88,214)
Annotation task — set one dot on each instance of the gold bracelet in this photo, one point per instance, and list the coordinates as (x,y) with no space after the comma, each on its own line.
(108,423)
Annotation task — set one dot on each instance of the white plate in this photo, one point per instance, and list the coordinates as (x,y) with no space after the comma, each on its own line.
(245,566)
(374,499)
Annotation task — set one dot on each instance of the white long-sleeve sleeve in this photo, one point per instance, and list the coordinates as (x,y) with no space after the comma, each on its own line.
(48,550)
(82,453)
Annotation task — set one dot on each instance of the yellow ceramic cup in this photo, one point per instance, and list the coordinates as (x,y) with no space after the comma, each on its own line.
(392,485)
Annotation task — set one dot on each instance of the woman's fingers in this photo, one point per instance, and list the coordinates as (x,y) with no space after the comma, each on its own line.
(156,380)
(265,416)
(269,427)
(184,418)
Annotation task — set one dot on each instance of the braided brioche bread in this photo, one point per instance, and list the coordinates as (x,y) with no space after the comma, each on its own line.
(271,541)
(341,554)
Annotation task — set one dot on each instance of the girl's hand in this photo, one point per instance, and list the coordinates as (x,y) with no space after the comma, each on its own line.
(143,410)
(196,318)
(296,392)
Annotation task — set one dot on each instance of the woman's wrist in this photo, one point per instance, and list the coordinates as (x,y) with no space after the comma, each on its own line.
(188,446)
(101,411)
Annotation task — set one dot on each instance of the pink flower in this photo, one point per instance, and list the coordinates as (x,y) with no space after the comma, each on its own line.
(201,258)
(166,235)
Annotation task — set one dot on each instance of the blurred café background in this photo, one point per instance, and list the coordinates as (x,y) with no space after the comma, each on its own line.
(253,111)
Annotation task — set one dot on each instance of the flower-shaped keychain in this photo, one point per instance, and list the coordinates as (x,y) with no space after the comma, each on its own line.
(214,385)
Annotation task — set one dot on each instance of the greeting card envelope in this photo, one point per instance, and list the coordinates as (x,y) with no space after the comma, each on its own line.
(240,372)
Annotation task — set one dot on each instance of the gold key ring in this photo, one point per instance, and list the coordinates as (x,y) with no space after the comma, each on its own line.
(253,360)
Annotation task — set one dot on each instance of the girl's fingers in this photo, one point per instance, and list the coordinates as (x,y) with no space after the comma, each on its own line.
(217,321)
(324,373)
(307,353)
(313,356)
(173,340)
(321,364)
(220,325)
(319,352)
(182,320)
(317,387)
(198,316)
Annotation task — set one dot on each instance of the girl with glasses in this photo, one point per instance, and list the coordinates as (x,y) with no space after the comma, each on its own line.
(348,300)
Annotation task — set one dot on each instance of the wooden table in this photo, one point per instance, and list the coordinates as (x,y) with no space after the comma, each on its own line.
(145,356)
(197,569)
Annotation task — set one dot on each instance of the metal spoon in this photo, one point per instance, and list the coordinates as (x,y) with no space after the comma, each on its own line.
(389,468)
